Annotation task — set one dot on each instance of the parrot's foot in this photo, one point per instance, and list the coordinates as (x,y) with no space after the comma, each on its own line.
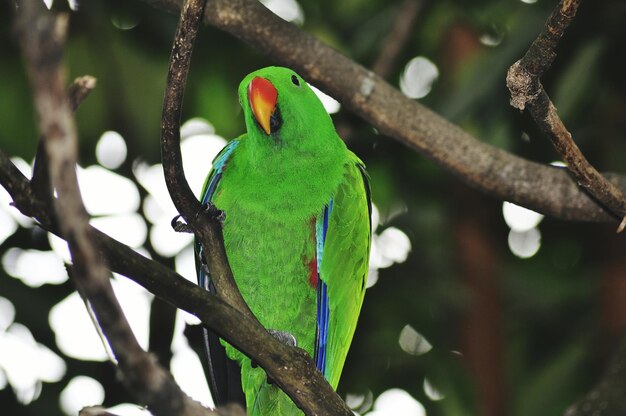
(207,209)
(283,337)
(180,226)
(212,211)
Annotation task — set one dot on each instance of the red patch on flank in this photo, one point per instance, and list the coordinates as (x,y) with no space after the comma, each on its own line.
(313,273)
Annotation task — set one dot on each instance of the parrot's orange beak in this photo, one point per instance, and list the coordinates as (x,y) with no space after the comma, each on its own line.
(262,96)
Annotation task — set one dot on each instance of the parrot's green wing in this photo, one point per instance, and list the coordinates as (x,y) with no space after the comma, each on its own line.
(223,375)
(343,270)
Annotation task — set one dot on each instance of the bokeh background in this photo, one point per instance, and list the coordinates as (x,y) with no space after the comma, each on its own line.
(474,307)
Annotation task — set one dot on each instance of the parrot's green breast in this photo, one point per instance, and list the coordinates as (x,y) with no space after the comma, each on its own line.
(269,232)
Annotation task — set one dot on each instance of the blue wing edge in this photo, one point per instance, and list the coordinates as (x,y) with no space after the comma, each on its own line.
(323,308)
(223,374)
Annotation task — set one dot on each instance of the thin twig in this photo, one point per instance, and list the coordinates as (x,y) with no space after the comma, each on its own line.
(390,50)
(40,182)
(397,38)
(42,35)
(523,80)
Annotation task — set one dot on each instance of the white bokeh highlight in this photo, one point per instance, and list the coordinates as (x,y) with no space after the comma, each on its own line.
(185,266)
(397,402)
(107,193)
(129,229)
(74,331)
(26,364)
(34,267)
(196,126)
(520,218)
(111,150)
(524,238)
(288,10)
(7,313)
(199,147)
(8,225)
(417,79)
(81,391)
(331,105)
(6,201)
(159,210)
(360,403)
(412,342)
(524,244)
(186,367)
(390,246)
(60,248)
(128,409)
(72,3)
(431,391)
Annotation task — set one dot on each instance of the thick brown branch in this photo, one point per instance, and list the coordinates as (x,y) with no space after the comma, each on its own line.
(545,189)
(42,35)
(207,229)
(523,80)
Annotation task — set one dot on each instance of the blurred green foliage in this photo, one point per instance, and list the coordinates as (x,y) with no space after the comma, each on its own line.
(552,336)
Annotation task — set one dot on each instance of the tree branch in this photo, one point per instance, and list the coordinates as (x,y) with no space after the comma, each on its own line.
(207,229)
(40,182)
(42,36)
(546,189)
(396,39)
(523,80)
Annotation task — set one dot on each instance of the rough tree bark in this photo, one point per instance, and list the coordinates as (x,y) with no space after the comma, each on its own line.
(523,80)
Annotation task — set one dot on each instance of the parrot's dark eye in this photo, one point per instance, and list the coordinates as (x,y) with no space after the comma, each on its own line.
(295,80)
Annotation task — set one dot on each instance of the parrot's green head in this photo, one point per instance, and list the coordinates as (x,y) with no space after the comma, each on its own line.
(280,107)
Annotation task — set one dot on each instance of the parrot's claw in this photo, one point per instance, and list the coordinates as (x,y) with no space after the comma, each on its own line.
(180,226)
(284,337)
(214,212)
(207,209)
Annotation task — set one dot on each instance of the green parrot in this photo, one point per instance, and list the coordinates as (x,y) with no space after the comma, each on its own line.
(297,234)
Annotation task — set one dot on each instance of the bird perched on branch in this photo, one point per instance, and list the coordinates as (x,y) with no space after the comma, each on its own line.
(297,234)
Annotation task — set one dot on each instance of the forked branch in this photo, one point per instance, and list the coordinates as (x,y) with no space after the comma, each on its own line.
(527,92)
